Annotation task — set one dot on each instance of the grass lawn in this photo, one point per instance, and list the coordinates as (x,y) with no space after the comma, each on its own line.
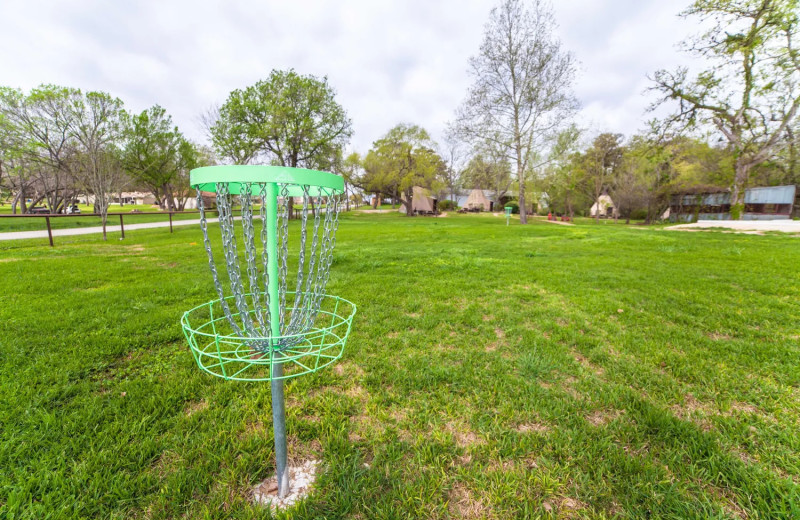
(589,371)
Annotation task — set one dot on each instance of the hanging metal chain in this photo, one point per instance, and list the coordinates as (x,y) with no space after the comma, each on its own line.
(301,258)
(267,319)
(326,260)
(226,223)
(313,269)
(207,242)
(251,256)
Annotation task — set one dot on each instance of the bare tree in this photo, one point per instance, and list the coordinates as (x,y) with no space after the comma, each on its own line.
(453,153)
(750,94)
(97,126)
(521,94)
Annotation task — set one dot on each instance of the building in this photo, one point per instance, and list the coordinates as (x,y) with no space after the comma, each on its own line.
(767,203)
(605,206)
(463,198)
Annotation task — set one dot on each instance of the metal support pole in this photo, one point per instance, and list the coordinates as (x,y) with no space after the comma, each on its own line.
(121,226)
(278,405)
(49,231)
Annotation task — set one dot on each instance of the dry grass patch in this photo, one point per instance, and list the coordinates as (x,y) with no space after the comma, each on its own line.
(602,417)
(694,410)
(193,408)
(718,336)
(348,368)
(532,427)
(565,507)
(463,435)
(462,503)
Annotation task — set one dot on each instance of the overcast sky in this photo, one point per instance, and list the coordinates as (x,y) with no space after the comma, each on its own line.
(390,62)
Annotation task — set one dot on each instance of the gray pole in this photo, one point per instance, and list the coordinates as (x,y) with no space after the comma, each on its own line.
(278,406)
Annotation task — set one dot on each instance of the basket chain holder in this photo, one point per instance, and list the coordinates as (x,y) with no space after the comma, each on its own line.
(256,329)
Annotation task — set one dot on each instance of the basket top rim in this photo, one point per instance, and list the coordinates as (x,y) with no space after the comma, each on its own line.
(206,178)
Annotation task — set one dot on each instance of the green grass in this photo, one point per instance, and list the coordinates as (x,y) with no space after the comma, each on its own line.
(594,371)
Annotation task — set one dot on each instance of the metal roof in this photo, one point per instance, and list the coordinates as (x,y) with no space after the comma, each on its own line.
(770,195)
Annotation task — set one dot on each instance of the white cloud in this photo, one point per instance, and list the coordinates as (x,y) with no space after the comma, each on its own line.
(389,62)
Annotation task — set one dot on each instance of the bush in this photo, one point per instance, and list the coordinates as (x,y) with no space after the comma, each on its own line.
(446,205)
(639,214)
(514,206)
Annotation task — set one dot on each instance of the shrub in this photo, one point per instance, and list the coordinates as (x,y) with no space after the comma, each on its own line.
(639,214)
(514,206)
(446,205)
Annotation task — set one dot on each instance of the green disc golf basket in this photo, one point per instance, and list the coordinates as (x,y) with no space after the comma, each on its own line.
(508,209)
(272,319)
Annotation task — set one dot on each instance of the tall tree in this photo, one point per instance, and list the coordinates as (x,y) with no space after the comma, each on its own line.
(153,153)
(521,96)
(96,121)
(453,153)
(601,163)
(351,170)
(38,130)
(287,119)
(405,157)
(750,94)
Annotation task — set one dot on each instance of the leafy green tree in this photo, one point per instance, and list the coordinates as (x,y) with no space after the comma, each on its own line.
(287,119)
(601,162)
(749,94)
(405,157)
(352,171)
(156,155)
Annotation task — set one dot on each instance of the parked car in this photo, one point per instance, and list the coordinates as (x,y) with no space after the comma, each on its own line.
(39,211)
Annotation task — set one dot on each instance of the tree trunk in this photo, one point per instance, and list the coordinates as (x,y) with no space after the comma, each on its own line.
(738,190)
(523,213)
(408,202)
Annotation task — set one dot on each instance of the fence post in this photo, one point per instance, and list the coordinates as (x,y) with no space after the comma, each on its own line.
(121,225)
(49,231)
(170,222)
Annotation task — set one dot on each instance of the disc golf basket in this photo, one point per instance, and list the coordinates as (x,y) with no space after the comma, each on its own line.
(272,319)
(508,209)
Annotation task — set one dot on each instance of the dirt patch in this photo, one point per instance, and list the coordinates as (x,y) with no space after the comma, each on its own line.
(195,407)
(413,314)
(393,335)
(565,506)
(602,417)
(348,368)
(691,408)
(532,427)
(740,407)
(464,504)
(499,333)
(463,435)
(166,463)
